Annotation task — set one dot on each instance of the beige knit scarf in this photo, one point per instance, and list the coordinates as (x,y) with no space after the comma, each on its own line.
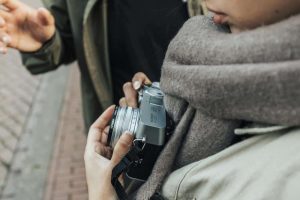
(213,80)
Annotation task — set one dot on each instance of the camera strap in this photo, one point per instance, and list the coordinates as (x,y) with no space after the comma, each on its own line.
(131,157)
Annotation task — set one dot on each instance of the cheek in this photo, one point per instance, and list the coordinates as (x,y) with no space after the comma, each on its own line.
(249,14)
(247,17)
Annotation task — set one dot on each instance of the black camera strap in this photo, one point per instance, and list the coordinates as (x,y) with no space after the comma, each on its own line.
(131,157)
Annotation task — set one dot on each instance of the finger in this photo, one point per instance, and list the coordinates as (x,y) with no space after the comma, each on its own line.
(2,22)
(104,135)
(103,150)
(3,48)
(98,126)
(99,148)
(121,179)
(10,4)
(5,39)
(4,15)
(122,102)
(45,17)
(139,79)
(122,147)
(130,95)
(104,119)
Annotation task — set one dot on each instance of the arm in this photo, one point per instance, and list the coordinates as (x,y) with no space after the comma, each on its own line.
(43,37)
(59,49)
(268,93)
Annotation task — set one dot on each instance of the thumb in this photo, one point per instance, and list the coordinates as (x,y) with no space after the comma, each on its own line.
(45,17)
(122,148)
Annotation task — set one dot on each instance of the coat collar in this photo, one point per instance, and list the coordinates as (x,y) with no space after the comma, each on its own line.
(88,9)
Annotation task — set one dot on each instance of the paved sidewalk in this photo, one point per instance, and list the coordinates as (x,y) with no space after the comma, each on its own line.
(18,90)
(41,133)
(17,93)
(42,137)
(27,169)
(66,179)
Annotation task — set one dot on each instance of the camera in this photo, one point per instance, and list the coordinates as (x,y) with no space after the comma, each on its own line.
(148,124)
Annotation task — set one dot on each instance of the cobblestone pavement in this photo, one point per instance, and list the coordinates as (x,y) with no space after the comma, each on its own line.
(18,95)
(17,92)
(66,180)
(42,137)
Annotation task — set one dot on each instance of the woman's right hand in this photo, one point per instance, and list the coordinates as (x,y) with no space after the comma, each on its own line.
(24,28)
(130,90)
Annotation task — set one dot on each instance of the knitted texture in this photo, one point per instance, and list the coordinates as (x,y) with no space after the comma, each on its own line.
(213,80)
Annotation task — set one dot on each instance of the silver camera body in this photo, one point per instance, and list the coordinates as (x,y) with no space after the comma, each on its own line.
(147,123)
(152,123)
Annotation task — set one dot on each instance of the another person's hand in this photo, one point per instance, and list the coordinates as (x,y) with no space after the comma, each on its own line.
(98,164)
(24,28)
(130,90)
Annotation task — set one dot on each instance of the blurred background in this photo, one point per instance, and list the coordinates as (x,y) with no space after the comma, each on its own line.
(42,136)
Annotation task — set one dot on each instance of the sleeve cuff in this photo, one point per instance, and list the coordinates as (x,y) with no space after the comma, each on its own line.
(47,58)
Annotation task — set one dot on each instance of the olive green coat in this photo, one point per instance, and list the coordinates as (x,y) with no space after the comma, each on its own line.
(81,34)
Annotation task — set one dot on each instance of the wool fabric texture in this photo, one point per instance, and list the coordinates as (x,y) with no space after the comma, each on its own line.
(214,80)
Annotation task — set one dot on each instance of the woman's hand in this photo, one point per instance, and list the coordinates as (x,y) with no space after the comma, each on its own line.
(98,164)
(24,28)
(130,90)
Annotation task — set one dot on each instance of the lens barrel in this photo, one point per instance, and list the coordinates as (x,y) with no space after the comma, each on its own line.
(124,119)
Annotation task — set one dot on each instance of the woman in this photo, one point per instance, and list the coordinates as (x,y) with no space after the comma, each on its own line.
(217,84)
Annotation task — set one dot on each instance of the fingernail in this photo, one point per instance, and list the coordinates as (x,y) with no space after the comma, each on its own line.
(128,140)
(128,132)
(136,85)
(6,39)
(2,22)
(148,82)
(2,50)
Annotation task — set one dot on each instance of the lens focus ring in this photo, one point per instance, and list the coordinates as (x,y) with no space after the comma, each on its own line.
(124,119)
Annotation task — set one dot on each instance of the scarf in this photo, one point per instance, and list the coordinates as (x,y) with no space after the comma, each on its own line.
(214,80)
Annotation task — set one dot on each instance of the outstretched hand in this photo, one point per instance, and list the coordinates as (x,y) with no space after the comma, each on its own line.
(100,159)
(24,28)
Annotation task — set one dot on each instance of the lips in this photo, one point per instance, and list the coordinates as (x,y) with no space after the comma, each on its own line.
(218,17)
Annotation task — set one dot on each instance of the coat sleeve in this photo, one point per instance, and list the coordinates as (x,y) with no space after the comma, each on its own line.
(266,92)
(60,48)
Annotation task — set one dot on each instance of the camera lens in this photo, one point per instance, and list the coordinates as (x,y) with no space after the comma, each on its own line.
(124,119)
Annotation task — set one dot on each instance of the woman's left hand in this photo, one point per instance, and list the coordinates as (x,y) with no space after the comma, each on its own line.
(98,164)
